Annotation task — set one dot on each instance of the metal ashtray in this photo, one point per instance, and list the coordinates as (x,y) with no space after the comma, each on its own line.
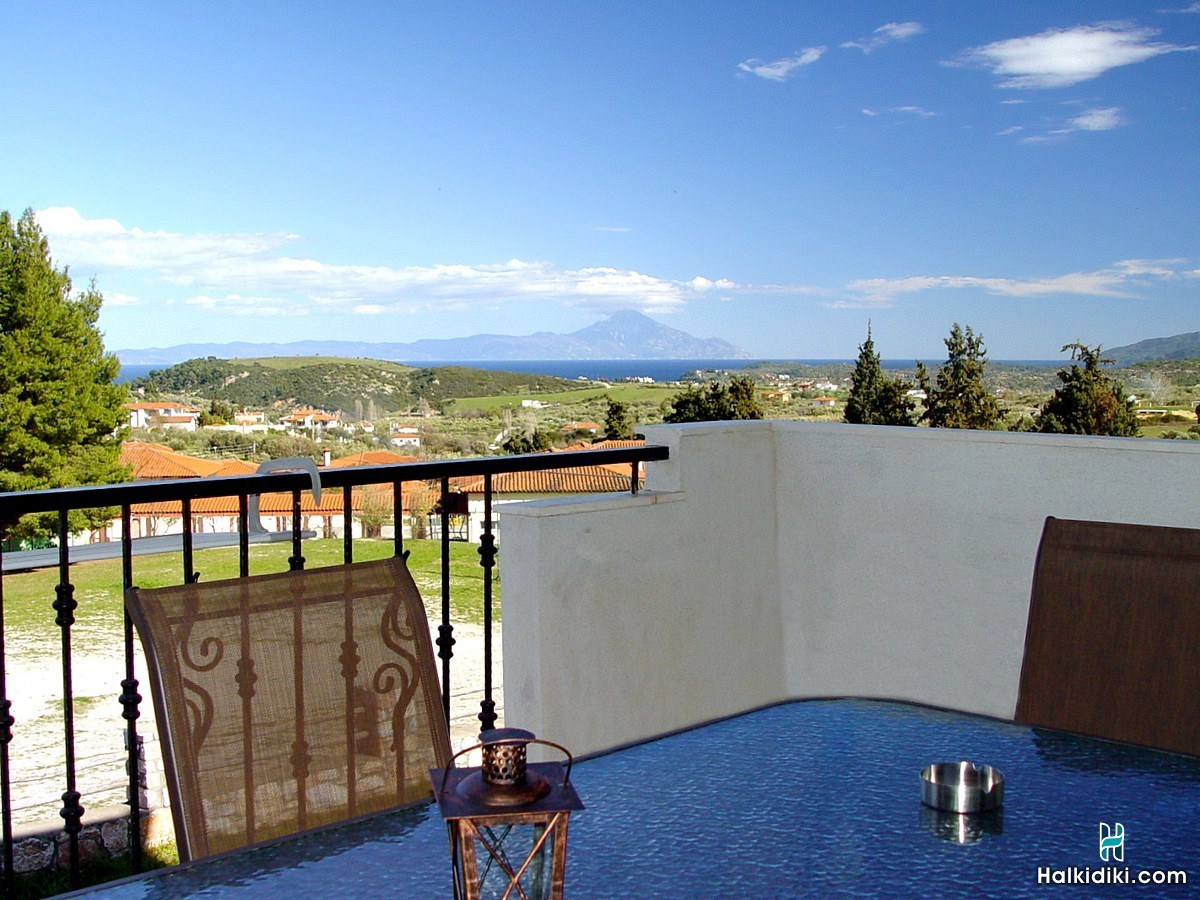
(962,787)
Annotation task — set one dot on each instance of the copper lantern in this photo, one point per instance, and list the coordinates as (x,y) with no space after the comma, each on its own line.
(507,819)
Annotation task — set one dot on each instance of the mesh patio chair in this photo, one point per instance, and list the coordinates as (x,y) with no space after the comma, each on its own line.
(1112,646)
(290,701)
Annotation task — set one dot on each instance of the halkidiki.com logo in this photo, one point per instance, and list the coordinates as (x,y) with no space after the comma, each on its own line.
(1112,850)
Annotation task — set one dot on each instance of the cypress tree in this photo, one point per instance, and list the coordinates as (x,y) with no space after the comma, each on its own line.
(958,399)
(1089,401)
(875,399)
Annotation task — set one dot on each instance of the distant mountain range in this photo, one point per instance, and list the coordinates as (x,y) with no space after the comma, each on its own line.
(1180,346)
(623,335)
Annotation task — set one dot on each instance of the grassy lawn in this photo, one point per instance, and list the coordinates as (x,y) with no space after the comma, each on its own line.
(626,393)
(29,617)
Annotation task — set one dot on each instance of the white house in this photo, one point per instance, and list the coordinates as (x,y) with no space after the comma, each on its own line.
(311,420)
(163,414)
(406,436)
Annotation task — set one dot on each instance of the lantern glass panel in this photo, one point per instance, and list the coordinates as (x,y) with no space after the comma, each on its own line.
(513,845)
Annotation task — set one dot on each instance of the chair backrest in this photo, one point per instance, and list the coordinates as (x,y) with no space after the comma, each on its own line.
(1112,646)
(285,702)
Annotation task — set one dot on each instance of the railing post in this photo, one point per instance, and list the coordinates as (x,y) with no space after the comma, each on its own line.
(348,524)
(190,575)
(487,559)
(296,560)
(130,701)
(243,535)
(64,605)
(445,640)
(6,724)
(398,518)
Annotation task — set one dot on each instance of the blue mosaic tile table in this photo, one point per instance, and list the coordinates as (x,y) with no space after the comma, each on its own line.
(817,798)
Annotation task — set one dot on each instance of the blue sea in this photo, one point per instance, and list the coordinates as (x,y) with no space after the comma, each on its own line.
(616,369)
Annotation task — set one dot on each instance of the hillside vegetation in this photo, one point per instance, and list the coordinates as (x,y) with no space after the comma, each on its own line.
(336,384)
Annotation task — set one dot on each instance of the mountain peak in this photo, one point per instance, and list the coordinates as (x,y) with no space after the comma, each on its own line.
(629,334)
(626,334)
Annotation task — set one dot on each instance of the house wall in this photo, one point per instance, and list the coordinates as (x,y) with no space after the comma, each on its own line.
(626,616)
(907,554)
(772,559)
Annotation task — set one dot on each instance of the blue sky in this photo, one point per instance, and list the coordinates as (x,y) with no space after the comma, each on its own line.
(775,174)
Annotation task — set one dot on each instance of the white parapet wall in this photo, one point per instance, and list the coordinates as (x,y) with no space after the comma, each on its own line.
(769,560)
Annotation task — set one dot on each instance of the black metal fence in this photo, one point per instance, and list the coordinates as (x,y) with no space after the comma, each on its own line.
(247,489)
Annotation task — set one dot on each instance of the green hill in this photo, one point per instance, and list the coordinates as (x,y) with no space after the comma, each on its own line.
(348,385)
(1179,346)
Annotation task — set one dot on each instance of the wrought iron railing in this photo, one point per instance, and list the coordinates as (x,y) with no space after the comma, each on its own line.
(247,489)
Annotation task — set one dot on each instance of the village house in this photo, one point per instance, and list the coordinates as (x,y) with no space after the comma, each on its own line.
(311,420)
(163,414)
(585,427)
(406,436)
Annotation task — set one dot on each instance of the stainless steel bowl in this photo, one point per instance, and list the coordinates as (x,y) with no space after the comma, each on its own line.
(962,787)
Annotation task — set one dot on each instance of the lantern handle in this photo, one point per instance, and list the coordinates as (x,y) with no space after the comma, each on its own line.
(512,742)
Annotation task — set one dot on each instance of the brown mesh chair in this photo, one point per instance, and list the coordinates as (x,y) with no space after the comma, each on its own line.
(1112,646)
(290,701)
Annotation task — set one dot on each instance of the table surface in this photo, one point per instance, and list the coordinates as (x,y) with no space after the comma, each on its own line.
(807,798)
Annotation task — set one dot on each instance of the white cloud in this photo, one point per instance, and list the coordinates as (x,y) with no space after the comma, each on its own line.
(614,229)
(702,285)
(238,305)
(1061,57)
(1160,268)
(242,274)
(1121,280)
(782,69)
(901,110)
(886,34)
(913,111)
(106,244)
(1101,119)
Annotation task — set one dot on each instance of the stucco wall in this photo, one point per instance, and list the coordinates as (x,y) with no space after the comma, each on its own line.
(772,560)
(907,554)
(624,617)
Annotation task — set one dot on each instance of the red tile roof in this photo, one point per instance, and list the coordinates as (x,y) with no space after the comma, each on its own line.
(371,458)
(154,462)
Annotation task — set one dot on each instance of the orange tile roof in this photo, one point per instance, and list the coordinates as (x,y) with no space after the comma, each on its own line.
(154,461)
(236,467)
(601,445)
(163,404)
(371,458)
(276,503)
(575,480)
